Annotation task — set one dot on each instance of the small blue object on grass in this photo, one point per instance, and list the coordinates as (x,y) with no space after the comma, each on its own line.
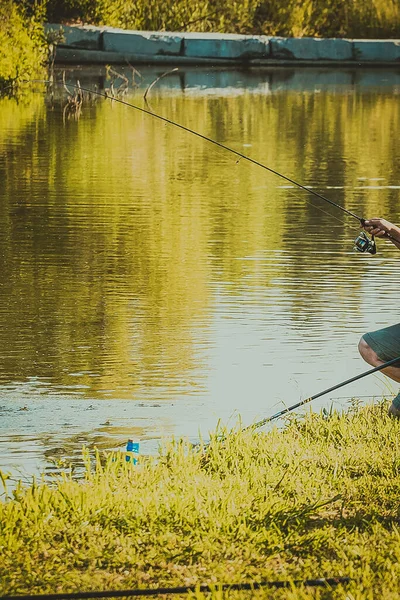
(132,452)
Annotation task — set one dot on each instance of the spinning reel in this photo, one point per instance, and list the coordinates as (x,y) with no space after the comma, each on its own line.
(364,244)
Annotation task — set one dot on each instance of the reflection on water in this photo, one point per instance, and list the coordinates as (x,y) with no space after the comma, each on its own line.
(147,271)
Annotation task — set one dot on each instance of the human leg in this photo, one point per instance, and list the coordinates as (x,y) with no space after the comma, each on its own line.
(381,340)
(371,357)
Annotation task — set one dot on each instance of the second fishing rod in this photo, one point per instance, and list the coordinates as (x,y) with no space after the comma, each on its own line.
(362,243)
(285,411)
(288,409)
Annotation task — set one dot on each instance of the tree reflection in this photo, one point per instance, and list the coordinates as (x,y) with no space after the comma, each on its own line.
(116,227)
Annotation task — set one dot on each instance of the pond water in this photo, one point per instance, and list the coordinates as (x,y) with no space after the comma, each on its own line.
(153,284)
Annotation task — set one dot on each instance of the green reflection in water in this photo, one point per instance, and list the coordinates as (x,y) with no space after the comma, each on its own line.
(117,229)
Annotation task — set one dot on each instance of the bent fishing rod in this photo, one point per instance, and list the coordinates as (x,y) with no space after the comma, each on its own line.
(363,243)
(284,411)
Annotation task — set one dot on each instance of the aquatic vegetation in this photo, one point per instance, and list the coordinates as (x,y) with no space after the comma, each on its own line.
(361,18)
(319,498)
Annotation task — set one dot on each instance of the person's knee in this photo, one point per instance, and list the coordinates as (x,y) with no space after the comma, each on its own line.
(367,353)
(363,348)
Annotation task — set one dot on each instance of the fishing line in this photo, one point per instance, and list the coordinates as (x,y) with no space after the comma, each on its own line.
(296,197)
(203,137)
(326,213)
(362,243)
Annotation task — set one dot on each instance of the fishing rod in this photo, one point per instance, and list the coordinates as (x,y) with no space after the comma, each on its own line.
(184,589)
(284,411)
(362,243)
(289,409)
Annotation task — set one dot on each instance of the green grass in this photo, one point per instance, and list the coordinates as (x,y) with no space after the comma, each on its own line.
(319,498)
(322,18)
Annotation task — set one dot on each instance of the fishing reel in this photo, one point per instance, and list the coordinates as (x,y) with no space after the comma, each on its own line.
(365,244)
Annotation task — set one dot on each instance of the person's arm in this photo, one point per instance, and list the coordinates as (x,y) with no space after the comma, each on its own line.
(381,228)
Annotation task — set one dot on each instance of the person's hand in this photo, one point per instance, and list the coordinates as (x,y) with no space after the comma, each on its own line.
(379,227)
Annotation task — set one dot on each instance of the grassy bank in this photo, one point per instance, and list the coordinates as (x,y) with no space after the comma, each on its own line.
(322,18)
(23,47)
(320,498)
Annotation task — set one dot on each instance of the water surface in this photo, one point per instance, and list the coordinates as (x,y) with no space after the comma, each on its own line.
(152,283)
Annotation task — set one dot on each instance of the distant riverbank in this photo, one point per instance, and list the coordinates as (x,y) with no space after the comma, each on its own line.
(366,19)
(294,32)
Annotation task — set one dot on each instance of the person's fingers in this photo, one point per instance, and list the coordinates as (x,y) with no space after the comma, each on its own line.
(381,224)
(375,230)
